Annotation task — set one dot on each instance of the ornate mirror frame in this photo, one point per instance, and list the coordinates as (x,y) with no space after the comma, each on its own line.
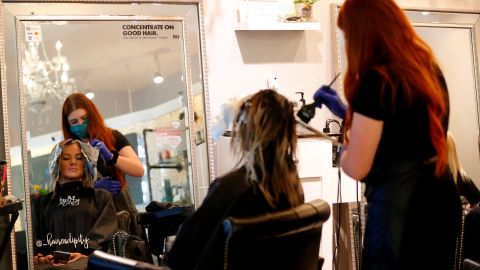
(201,167)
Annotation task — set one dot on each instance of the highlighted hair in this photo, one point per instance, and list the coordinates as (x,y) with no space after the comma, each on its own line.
(264,133)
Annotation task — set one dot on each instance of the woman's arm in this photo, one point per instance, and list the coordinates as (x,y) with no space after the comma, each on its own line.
(129,163)
(365,134)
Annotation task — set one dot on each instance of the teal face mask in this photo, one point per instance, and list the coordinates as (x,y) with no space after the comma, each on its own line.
(80,131)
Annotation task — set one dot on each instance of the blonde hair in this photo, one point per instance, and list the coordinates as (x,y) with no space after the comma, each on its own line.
(264,135)
(87,178)
(452,158)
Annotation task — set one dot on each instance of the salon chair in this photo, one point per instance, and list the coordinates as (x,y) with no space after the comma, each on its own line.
(469,264)
(471,239)
(162,222)
(127,245)
(100,260)
(287,239)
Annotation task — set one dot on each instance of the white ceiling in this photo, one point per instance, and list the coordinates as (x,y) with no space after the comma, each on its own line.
(101,57)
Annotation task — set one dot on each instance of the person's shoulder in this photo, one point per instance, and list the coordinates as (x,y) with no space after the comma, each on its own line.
(102,193)
(230,180)
(117,133)
(42,199)
(238,173)
(120,139)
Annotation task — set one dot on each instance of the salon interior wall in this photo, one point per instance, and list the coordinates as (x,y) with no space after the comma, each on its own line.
(241,62)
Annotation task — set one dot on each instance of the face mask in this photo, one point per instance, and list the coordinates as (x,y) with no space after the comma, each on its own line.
(81,131)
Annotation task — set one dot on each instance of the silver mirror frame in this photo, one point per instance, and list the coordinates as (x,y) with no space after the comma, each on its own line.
(188,69)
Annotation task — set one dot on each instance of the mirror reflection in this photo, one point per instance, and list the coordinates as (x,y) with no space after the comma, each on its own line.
(123,71)
(144,76)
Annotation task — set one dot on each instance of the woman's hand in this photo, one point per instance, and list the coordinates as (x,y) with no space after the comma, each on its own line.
(43,259)
(75,256)
(111,185)
(104,152)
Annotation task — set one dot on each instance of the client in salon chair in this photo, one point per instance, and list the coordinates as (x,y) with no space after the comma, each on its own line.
(74,218)
(264,136)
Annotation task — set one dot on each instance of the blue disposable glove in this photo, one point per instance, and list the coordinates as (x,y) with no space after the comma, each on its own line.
(111,185)
(104,152)
(326,95)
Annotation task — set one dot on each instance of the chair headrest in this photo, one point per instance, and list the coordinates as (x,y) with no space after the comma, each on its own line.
(304,217)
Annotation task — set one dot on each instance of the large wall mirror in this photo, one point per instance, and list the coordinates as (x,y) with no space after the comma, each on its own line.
(142,65)
(454,39)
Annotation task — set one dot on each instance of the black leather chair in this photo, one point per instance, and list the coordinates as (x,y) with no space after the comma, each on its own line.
(100,260)
(288,239)
(469,264)
(471,237)
(161,224)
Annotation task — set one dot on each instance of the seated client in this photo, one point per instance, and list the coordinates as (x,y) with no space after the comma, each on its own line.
(266,180)
(74,217)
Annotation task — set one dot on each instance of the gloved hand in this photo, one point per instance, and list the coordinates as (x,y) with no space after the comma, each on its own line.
(104,152)
(109,184)
(326,95)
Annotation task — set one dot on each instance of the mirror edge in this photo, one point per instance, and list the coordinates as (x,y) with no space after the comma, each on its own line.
(206,95)
(5,150)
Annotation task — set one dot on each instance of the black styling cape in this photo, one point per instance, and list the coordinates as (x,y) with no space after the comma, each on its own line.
(73,219)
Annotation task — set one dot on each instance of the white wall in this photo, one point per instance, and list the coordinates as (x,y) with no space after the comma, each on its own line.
(239,63)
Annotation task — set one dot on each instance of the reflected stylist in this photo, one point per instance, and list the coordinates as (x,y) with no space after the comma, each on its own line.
(82,120)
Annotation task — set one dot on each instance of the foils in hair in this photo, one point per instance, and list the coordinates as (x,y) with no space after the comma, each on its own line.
(89,153)
(242,115)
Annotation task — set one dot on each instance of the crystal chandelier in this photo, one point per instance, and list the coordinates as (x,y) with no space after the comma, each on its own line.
(46,80)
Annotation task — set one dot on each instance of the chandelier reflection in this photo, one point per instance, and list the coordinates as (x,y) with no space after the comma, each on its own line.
(46,80)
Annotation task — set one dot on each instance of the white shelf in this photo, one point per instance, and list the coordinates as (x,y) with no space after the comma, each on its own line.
(266,26)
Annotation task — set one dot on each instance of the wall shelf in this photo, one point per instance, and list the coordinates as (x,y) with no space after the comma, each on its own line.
(277,26)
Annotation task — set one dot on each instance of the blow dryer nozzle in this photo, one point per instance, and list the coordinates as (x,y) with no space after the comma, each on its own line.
(306,113)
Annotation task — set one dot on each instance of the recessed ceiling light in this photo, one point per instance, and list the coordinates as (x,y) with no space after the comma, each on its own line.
(158,79)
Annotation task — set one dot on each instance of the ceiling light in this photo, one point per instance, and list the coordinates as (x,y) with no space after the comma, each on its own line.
(158,79)
(46,78)
(90,95)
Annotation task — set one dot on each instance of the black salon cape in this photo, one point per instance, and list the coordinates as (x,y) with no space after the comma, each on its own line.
(72,213)
(199,243)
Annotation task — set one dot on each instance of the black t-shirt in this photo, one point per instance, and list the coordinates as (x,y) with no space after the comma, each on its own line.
(405,135)
(105,169)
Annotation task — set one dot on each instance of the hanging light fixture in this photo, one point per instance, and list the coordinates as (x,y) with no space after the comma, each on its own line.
(45,79)
(158,78)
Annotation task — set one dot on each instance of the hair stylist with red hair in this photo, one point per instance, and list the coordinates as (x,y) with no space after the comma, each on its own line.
(82,120)
(396,122)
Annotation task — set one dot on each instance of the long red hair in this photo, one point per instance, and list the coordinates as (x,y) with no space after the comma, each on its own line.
(96,124)
(379,36)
